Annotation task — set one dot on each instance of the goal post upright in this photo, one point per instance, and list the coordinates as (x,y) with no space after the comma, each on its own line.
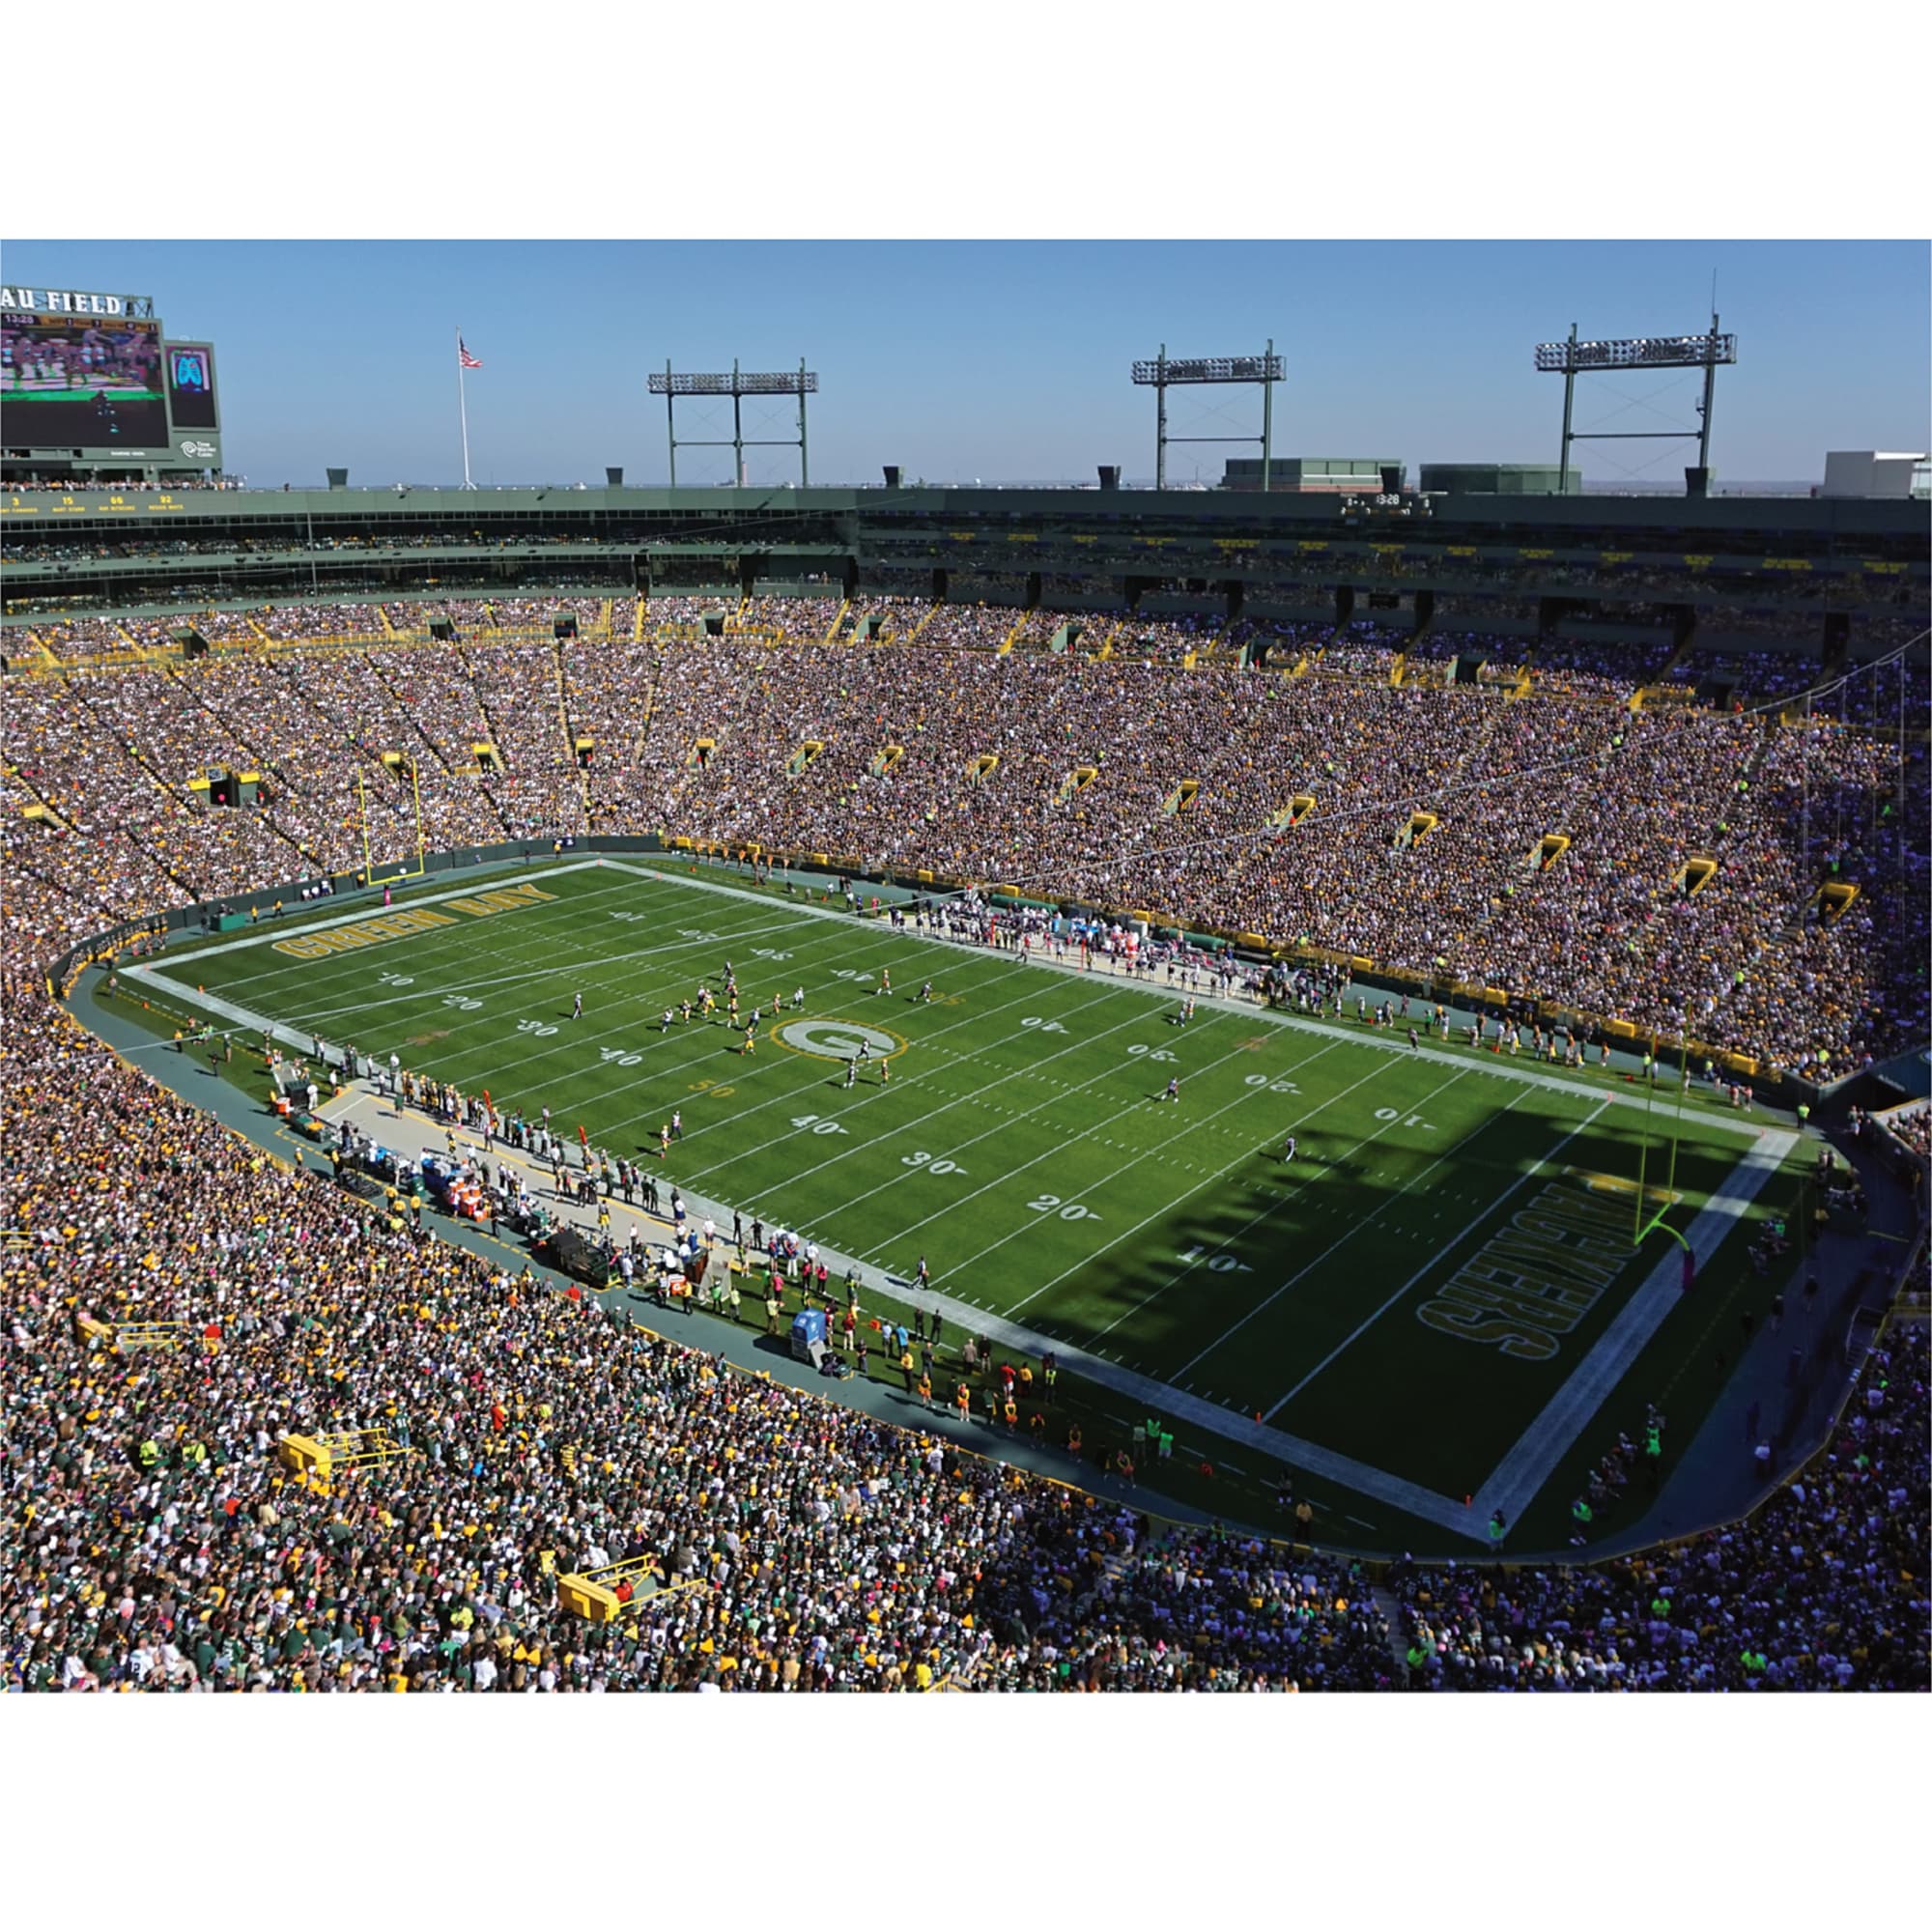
(1668,1192)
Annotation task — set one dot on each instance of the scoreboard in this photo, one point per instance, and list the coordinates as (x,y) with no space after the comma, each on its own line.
(89,380)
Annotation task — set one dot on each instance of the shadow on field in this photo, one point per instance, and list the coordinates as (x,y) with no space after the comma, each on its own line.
(1277,1282)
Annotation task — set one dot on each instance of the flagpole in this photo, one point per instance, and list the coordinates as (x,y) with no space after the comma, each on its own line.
(462,408)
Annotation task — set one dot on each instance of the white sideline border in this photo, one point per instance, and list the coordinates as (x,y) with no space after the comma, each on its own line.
(1497,1065)
(1513,1484)
(267,933)
(1523,1470)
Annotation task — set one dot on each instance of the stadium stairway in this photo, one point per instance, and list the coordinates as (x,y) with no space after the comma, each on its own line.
(1384,1601)
(401,702)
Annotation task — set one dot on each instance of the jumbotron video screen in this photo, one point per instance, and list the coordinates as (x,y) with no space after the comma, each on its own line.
(80,383)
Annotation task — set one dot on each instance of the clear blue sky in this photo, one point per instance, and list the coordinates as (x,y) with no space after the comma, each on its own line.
(1008,361)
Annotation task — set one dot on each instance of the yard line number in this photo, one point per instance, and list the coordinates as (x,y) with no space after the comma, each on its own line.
(1068,1210)
(1221,1262)
(931,1166)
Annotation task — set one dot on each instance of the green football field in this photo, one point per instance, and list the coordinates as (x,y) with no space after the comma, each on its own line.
(1441,1269)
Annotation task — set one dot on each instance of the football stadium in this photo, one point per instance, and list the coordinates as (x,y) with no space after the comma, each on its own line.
(1320,1083)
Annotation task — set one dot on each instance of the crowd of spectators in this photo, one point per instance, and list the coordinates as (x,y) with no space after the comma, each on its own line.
(1443,643)
(1364,648)
(306,621)
(124,486)
(1474,612)
(1686,899)
(676,609)
(1841,979)
(1873,633)
(157,1540)
(1587,665)
(1824,1588)
(1751,677)
(805,619)
(84,638)
(1780,624)
(892,618)
(978,627)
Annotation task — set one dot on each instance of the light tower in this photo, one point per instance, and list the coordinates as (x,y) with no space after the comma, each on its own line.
(1573,359)
(800,383)
(1162,374)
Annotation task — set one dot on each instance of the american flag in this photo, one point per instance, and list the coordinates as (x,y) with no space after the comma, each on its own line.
(464,358)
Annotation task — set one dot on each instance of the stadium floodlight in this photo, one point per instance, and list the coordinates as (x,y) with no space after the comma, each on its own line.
(1571,358)
(1642,352)
(781,383)
(1164,372)
(1209,369)
(736,384)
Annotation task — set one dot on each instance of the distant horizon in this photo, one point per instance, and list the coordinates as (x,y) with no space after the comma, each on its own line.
(1581,486)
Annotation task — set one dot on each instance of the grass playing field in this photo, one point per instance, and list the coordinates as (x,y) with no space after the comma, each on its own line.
(1445,1269)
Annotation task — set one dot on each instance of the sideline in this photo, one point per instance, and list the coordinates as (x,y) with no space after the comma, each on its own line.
(267,931)
(1514,1483)
(1523,1471)
(377,1116)
(1499,1066)
(1441,1255)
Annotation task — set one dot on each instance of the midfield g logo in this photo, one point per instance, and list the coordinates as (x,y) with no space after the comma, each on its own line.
(837,1040)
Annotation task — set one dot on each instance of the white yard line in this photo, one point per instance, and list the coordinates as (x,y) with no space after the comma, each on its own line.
(1521,1474)
(1158,1398)
(1436,1258)
(1301,1120)
(1354,1229)
(1499,1067)
(510,1066)
(870,1094)
(1514,1482)
(284,928)
(965,1099)
(498,982)
(1496,1066)
(1059,1149)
